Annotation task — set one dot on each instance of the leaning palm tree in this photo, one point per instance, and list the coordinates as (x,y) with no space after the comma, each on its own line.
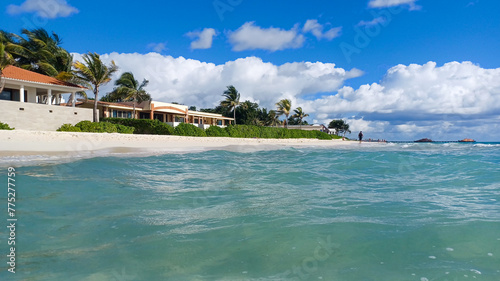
(42,52)
(284,107)
(232,100)
(130,89)
(93,73)
(299,114)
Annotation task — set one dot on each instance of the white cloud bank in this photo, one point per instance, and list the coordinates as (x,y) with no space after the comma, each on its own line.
(44,8)
(203,39)
(448,102)
(414,97)
(198,83)
(251,37)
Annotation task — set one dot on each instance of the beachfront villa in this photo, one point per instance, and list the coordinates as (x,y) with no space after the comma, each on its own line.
(170,113)
(31,101)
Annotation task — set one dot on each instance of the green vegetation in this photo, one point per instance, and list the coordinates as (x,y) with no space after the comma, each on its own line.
(143,126)
(156,127)
(93,73)
(232,100)
(284,107)
(4,126)
(69,128)
(216,131)
(185,129)
(37,50)
(340,127)
(298,117)
(5,60)
(129,89)
(249,131)
(101,127)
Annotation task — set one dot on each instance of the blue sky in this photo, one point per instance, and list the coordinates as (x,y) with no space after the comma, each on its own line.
(389,67)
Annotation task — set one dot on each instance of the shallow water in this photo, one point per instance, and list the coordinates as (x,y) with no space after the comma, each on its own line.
(369,212)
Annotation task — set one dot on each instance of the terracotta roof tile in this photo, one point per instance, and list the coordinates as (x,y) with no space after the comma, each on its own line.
(17,73)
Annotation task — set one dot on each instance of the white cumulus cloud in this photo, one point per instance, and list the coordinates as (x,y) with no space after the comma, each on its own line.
(44,8)
(198,83)
(392,3)
(251,37)
(203,39)
(317,30)
(414,97)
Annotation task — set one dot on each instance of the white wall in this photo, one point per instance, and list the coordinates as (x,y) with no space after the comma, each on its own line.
(38,116)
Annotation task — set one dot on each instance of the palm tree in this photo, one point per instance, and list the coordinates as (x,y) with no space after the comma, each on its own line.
(5,60)
(284,107)
(232,100)
(93,73)
(41,52)
(129,88)
(271,118)
(299,114)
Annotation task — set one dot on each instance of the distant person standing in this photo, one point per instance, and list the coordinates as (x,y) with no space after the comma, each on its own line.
(360,136)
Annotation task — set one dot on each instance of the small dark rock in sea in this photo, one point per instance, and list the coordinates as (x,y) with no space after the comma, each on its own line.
(424,140)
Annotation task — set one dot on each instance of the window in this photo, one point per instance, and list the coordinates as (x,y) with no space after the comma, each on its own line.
(159,117)
(122,114)
(6,95)
(219,122)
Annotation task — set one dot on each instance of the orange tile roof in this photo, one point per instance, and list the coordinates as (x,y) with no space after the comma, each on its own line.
(14,72)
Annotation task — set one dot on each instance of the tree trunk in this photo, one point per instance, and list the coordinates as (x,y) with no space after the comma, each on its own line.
(133,117)
(234,114)
(96,92)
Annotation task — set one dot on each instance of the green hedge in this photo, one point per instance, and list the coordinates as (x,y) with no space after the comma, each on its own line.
(185,129)
(216,131)
(91,127)
(143,126)
(68,128)
(4,126)
(249,131)
(122,129)
(156,127)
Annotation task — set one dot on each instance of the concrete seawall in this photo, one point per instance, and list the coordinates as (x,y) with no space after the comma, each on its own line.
(40,117)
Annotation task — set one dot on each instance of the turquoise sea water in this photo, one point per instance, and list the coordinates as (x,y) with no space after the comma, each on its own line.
(369,212)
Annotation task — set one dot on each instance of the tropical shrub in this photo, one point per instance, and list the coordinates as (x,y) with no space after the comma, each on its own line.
(143,126)
(185,129)
(68,128)
(4,126)
(122,129)
(216,131)
(91,127)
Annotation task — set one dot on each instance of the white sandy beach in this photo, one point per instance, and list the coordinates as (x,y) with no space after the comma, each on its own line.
(22,142)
